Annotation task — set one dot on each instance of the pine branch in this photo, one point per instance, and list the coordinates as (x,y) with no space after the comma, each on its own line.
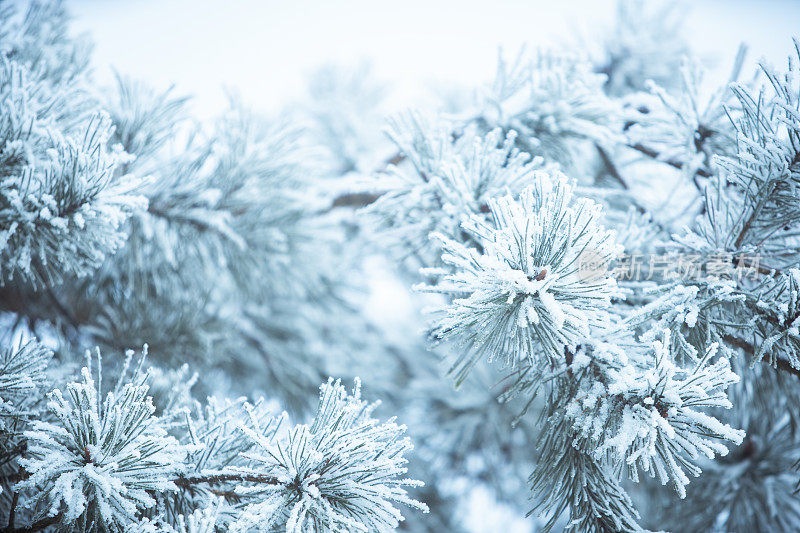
(188,482)
(653,154)
(184,481)
(746,226)
(12,510)
(39,525)
(749,349)
(612,169)
(355,200)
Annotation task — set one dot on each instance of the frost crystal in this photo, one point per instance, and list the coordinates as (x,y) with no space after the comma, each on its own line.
(446,174)
(61,206)
(538,280)
(100,460)
(341,473)
(649,416)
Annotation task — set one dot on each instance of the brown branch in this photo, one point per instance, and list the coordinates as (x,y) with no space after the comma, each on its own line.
(783,364)
(22,475)
(653,154)
(363,199)
(750,349)
(357,199)
(13,453)
(188,482)
(36,526)
(746,227)
(12,511)
(766,270)
(229,495)
(612,169)
(394,160)
(737,342)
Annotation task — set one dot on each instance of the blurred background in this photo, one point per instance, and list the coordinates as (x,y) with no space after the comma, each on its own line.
(265,50)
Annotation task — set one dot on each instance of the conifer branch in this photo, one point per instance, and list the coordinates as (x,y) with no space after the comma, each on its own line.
(653,154)
(39,525)
(188,482)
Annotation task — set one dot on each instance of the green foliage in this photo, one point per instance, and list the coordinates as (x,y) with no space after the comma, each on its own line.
(231,249)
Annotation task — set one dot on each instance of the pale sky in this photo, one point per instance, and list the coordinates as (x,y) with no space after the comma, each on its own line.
(266,49)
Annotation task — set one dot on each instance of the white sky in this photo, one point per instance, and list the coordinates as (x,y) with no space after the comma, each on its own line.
(266,49)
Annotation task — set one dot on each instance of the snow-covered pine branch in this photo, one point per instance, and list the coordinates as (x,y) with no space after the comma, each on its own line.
(654,416)
(113,464)
(340,473)
(633,410)
(445,173)
(527,290)
(766,168)
(99,461)
(61,208)
(647,43)
(22,372)
(556,104)
(229,246)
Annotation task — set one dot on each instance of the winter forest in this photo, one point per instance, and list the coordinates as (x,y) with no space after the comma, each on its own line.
(596,253)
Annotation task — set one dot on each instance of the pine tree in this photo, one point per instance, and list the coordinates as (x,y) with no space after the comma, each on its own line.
(606,243)
(114,235)
(629,374)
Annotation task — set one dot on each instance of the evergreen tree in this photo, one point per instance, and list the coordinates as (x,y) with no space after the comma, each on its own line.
(608,248)
(115,234)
